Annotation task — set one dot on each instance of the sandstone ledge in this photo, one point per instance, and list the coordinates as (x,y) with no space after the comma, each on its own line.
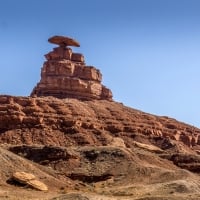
(48,120)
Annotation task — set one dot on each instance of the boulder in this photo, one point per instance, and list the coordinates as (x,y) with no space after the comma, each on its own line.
(38,185)
(30,180)
(23,177)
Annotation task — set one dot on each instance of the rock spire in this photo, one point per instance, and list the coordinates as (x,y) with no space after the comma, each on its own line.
(65,74)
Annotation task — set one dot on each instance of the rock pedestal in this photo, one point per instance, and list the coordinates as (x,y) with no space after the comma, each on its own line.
(65,75)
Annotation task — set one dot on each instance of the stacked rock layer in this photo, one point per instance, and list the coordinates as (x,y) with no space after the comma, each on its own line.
(65,75)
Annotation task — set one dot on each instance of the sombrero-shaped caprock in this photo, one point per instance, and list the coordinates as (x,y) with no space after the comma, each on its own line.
(63,41)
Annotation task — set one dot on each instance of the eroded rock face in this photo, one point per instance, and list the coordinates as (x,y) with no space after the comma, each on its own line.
(100,143)
(53,121)
(65,75)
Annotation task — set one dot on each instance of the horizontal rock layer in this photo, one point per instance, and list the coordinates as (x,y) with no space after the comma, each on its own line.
(65,79)
(26,120)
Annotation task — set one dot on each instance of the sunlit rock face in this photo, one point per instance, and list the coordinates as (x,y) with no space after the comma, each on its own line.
(65,74)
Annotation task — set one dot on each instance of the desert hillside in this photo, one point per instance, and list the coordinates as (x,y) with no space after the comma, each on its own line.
(96,147)
(69,140)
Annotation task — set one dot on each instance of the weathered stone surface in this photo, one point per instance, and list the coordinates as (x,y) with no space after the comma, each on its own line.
(65,75)
(30,180)
(60,53)
(148,147)
(53,121)
(63,41)
(190,162)
(23,177)
(38,185)
(97,143)
(77,57)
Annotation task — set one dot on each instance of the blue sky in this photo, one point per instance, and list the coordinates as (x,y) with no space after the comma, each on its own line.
(147,50)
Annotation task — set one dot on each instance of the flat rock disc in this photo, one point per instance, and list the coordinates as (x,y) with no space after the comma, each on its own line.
(63,41)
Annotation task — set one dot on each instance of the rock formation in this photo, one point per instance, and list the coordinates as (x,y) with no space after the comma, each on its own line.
(63,122)
(65,75)
(95,149)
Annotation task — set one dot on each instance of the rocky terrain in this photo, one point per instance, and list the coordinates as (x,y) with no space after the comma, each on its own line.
(61,143)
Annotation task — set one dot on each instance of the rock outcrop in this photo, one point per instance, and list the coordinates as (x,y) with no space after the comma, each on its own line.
(64,122)
(65,75)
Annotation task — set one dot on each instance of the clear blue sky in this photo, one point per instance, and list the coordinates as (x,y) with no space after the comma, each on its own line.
(147,50)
